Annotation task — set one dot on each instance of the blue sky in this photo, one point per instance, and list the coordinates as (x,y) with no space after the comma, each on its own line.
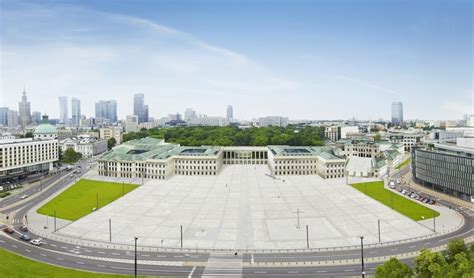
(302,59)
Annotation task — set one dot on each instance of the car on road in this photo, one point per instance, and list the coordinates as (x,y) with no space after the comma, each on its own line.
(24,228)
(25,237)
(24,196)
(432,202)
(426,201)
(8,230)
(36,242)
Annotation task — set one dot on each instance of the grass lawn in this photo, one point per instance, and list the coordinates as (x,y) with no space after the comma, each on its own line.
(403,164)
(79,199)
(12,265)
(405,206)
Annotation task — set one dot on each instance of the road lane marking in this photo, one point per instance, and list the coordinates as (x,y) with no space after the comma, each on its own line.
(321,271)
(428,243)
(293,272)
(373,252)
(347,270)
(14,246)
(54,245)
(393,250)
(99,265)
(100,252)
(116,254)
(60,259)
(43,255)
(259,272)
(79,263)
(29,251)
(412,246)
(192,271)
(145,255)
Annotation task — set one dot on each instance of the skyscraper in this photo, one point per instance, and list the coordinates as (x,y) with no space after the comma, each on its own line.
(35,117)
(4,116)
(106,109)
(397,113)
(139,108)
(12,118)
(63,113)
(75,111)
(25,110)
(230,112)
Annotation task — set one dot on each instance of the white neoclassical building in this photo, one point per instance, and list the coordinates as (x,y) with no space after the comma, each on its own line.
(155,159)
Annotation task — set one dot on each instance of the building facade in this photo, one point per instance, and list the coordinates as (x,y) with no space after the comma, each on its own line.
(397,113)
(409,140)
(63,111)
(75,112)
(230,113)
(131,123)
(446,167)
(139,108)
(106,110)
(273,121)
(24,108)
(4,116)
(86,145)
(112,132)
(21,157)
(154,159)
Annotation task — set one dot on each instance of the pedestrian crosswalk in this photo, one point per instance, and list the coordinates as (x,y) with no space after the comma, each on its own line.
(223,265)
(131,261)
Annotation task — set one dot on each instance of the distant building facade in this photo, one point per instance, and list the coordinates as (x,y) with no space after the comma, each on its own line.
(131,123)
(230,112)
(139,108)
(397,113)
(111,132)
(75,112)
(273,121)
(106,110)
(63,111)
(24,108)
(86,145)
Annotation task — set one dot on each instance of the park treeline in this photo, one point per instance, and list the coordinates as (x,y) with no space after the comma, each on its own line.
(234,136)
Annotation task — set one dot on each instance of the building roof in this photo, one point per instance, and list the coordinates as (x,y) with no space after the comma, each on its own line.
(45,129)
(154,149)
(323,152)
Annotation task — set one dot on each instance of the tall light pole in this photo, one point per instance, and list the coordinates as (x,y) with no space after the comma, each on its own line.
(362,255)
(136,238)
(298,211)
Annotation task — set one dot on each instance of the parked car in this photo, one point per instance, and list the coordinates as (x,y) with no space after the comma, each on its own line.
(392,186)
(24,228)
(8,230)
(36,242)
(25,237)
(23,196)
(432,202)
(426,200)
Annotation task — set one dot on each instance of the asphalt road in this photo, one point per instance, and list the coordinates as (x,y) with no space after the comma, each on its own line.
(171,263)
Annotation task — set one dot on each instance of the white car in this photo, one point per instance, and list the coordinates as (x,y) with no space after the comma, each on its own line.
(36,242)
(23,196)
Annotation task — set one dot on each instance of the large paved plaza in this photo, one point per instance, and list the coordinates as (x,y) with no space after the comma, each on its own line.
(244,207)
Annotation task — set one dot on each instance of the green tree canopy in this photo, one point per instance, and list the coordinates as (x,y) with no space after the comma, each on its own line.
(393,268)
(70,156)
(111,143)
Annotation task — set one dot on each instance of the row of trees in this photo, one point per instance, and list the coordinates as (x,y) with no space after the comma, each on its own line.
(233,136)
(456,261)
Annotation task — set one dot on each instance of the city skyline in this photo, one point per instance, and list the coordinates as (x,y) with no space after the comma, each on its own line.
(316,69)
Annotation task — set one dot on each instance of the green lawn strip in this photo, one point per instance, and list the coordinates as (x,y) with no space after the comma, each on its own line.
(80,199)
(12,266)
(403,164)
(405,206)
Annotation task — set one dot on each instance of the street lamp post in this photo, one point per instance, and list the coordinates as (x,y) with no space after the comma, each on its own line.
(362,255)
(136,238)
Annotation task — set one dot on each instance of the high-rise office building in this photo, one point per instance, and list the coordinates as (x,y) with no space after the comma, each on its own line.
(63,113)
(106,110)
(36,117)
(139,108)
(397,113)
(4,116)
(75,111)
(230,112)
(13,118)
(24,109)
